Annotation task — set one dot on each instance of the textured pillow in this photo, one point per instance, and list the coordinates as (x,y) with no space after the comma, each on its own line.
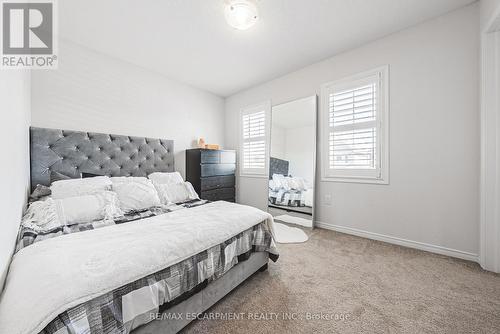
(166,178)
(41,192)
(88,208)
(50,214)
(279,181)
(135,193)
(301,183)
(41,216)
(293,183)
(176,192)
(273,185)
(79,187)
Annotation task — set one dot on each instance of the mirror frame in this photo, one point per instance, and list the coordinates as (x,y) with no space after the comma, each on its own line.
(315,150)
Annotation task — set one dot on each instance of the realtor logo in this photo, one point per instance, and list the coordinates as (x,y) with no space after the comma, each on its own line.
(28,34)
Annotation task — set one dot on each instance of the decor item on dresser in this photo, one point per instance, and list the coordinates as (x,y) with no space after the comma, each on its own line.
(211,172)
(202,144)
(212,146)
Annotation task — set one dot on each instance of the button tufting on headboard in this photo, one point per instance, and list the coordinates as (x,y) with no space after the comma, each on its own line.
(64,151)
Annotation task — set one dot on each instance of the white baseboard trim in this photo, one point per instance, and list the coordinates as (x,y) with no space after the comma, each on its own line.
(401,242)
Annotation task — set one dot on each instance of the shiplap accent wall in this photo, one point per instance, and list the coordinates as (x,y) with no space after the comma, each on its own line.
(91,91)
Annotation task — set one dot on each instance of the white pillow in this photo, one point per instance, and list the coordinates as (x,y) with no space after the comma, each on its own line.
(301,183)
(176,192)
(88,208)
(49,214)
(166,178)
(78,187)
(282,182)
(295,183)
(135,193)
(42,216)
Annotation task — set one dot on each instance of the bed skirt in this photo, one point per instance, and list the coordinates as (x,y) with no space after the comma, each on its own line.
(177,317)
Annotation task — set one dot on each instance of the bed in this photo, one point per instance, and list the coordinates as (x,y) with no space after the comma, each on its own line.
(288,192)
(133,274)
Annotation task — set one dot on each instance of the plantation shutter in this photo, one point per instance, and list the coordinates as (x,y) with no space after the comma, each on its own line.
(353,128)
(254,140)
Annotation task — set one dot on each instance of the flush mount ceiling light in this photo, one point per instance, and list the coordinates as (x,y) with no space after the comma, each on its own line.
(241,14)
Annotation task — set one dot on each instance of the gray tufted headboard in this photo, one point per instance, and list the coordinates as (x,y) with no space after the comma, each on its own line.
(70,153)
(278,166)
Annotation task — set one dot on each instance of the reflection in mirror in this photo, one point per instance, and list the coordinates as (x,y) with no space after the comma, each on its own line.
(292,162)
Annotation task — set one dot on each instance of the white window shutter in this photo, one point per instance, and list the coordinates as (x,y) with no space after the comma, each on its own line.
(354,136)
(353,128)
(254,141)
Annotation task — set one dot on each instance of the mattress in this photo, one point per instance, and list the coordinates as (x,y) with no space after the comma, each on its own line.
(139,302)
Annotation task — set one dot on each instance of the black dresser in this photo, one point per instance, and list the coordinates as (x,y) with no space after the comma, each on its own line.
(211,172)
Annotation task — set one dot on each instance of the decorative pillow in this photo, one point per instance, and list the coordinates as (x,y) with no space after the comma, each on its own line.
(135,193)
(79,187)
(292,183)
(301,183)
(280,182)
(51,214)
(41,216)
(176,192)
(88,208)
(274,186)
(166,178)
(56,176)
(41,192)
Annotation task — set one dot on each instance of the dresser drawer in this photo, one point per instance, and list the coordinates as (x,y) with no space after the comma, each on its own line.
(217,169)
(210,157)
(227,157)
(215,182)
(225,194)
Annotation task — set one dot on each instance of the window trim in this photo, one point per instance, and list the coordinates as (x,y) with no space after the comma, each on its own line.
(266,106)
(358,176)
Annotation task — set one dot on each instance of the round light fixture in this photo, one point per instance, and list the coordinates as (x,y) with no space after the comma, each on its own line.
(241,14)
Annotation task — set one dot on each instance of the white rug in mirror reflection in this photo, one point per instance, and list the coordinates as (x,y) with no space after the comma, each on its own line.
(289,235)
(294,220)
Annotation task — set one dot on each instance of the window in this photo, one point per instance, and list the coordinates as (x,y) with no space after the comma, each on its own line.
(254,123)
(355,135)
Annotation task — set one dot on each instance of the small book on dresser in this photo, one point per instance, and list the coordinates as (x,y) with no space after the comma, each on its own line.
(211,172)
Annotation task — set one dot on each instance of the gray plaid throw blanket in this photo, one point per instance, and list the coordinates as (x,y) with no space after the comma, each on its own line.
(116,311)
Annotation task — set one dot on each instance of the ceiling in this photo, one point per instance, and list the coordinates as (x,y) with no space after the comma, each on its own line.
(189,40)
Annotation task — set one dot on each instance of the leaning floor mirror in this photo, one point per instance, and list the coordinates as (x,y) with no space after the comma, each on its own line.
(292,162)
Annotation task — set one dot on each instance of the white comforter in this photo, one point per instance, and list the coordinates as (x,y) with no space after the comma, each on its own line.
(51,276)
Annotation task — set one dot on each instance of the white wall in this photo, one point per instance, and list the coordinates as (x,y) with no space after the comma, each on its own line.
(299,144)
(489,10)
(93,92)
(433,193)
(294,145)
(14,134)
(278,142)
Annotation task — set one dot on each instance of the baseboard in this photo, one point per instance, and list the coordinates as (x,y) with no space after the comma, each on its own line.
(401,242)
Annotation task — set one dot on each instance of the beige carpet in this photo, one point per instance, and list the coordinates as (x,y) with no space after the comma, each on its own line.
(376,287)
